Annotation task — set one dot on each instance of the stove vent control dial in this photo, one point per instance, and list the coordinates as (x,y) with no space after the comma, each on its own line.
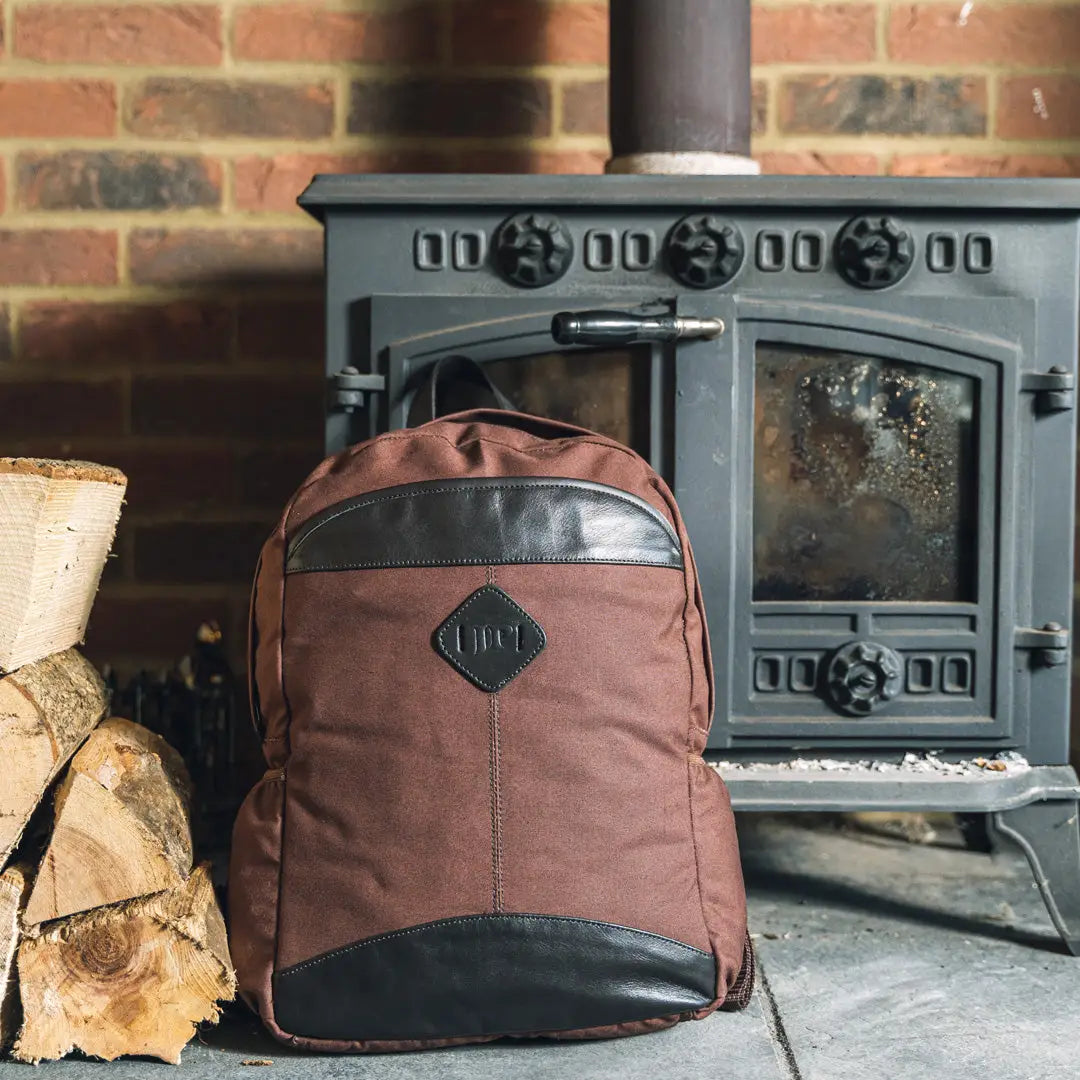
(532,250)
(874,252)
(862,676)
(705,251)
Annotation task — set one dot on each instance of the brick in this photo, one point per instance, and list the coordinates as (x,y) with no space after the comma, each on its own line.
(813,163)
(195,108)
(150,625)
(516,160)
(182,552)
(5,334)
(175,479)
(585,107)
(276,329)
(225,256)
(1039,107)
(237,406)
(451,106)
(1042,35)
(113,180)
(308,31)
(874,104)
(811,33)
(988,165)
(759,106)
(529,32)
(53,332)
(55,108)
(161,478)
(273,183)
(36,408)
(57,257)
(188,34)
(268,476)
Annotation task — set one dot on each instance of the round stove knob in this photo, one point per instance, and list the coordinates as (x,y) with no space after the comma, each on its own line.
(863,676)
(705,251)
(532,250)
(874,252)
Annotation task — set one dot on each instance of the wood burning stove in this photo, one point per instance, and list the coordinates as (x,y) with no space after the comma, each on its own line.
(874,457)
(862,392)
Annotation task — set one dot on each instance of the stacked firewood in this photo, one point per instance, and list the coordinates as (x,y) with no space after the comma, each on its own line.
(111,940)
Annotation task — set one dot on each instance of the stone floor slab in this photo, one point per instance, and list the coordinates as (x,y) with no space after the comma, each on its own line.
(727,1044)
(888,961)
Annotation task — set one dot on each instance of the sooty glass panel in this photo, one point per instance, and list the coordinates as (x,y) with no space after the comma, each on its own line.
(865,479)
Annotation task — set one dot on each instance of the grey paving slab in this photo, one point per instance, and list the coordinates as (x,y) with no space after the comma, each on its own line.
(726,1045)
(904,962)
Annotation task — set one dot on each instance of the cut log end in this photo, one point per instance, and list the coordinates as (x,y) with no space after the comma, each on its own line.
(14,887)
(46,710)
(133,978)
(121,828)
(53,469)
(58,525)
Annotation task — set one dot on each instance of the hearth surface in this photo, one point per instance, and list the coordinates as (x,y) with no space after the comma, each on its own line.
(882,961)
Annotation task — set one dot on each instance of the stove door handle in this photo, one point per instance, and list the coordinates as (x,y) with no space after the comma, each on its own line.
(612,328)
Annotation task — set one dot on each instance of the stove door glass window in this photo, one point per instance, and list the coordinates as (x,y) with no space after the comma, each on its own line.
(603,390)
(865,479)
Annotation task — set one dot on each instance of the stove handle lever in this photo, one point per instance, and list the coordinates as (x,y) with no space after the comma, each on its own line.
(611,328)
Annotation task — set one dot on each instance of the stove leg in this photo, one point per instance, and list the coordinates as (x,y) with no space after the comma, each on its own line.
(1049,835)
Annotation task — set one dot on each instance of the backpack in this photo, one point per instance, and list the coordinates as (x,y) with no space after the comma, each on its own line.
(481,674)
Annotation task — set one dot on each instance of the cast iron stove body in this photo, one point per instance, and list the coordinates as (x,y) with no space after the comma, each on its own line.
(874,457)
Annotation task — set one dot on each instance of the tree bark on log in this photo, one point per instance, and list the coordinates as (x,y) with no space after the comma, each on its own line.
(14,887)
(46,710)
(133,978)
(57,526)
(121,826)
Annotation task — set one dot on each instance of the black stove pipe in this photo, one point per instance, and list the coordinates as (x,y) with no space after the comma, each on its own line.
(680,77)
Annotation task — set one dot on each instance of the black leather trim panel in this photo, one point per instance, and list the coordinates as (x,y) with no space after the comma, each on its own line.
(485,522)
(491,975)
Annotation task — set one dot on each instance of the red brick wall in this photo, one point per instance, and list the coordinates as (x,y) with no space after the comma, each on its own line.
(159,293)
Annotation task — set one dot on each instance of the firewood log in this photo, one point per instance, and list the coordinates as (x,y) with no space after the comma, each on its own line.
(133,978)
(46,710)
(121,826)
(57,523)
(14,886)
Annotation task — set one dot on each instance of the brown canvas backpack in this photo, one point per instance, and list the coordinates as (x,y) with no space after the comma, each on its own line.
(481,673)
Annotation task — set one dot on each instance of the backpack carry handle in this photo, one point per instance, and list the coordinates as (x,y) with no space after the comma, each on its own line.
(451,369)
(461,369)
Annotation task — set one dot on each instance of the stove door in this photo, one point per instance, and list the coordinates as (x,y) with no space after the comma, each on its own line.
(856,484)
(624,392)
(862,592)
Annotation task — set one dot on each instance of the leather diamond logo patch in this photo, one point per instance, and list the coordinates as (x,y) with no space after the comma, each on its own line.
(490,639)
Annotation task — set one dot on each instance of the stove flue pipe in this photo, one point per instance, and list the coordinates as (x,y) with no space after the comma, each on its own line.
(680,87)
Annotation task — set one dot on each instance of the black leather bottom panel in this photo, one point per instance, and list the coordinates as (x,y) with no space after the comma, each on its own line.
(491,975)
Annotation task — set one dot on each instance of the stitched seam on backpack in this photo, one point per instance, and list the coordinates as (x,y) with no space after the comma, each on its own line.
(285,791)
(494,766)
(538,444)
(483,918)
(613,493)
(491,688)
(390,564)
(690,598)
